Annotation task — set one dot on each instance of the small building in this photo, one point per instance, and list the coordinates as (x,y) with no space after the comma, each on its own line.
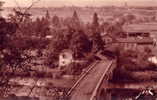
(65,58)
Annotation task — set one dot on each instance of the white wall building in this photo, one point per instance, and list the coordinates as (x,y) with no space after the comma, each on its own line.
(65,58)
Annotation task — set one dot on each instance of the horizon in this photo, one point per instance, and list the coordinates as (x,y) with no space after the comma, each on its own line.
(80,3)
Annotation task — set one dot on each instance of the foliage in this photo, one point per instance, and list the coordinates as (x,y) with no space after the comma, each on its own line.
(10,56)
(19,38)
(56,21)
(16,43)
(80,43)
(95,20)
(73,22)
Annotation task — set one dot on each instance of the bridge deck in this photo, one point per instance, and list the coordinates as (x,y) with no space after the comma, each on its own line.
(84,90)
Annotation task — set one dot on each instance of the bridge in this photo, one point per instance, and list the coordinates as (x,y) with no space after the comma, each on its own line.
(92,84)
(89,85)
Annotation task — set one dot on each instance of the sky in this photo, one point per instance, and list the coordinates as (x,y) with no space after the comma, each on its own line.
(56,3)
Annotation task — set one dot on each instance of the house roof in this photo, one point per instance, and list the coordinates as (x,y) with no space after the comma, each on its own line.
(137,40)
(67,50)
(144,27)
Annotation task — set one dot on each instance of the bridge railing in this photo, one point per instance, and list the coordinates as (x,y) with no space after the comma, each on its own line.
(105,77)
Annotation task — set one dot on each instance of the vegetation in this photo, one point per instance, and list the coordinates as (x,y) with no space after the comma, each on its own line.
(19,38)
(24,41)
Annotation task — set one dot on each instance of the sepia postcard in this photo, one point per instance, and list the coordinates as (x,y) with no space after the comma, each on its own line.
(78,50)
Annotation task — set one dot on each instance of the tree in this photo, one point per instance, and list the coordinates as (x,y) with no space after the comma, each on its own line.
(56,21)
(37,25)
(57,44)
(115,29)
(75,21)
(98,43)
(95,22)
(96,36)
(47,16)
(80,44)
(21,14)
(11,57)
(75,16)
(42,27)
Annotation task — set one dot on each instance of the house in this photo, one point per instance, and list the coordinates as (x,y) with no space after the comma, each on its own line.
(65,58)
